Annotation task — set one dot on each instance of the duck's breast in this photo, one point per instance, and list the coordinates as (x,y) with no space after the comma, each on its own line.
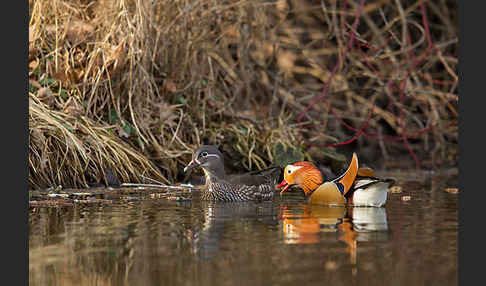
(327,194)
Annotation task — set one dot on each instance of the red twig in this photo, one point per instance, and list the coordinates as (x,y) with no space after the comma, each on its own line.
(436,81)
(360,131)
(403,83)
(334,70)
(412,60)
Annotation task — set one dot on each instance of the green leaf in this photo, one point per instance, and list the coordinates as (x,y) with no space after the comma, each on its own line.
(180,99)
(243,129)
(139,141)
(63,94)
(36,71)
(286,155)
(47,81)
(128,128)
(68,127)
(330,153)
(112,116)
(32,88)
(43,81)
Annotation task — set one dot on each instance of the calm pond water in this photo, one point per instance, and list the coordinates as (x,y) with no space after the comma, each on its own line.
(154,241)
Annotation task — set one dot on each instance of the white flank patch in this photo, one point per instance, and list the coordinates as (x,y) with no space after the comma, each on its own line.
(373,195)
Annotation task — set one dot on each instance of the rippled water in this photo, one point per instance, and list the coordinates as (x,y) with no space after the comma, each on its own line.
(284,242)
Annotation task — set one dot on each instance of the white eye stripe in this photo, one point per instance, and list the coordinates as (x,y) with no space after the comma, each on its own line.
(208,155)
(291,168)
(212,155)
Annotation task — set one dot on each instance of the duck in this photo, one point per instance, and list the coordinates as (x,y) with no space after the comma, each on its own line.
(302,223)
(356,186)
(206,241)
(219,186)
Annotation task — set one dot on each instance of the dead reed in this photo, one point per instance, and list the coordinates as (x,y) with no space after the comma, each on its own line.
(136,85)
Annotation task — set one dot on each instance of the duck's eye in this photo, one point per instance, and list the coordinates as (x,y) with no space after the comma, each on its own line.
(204,154)
(289,171)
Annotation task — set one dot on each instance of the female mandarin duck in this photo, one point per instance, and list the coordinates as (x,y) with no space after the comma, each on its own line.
(254,186)
(357,187)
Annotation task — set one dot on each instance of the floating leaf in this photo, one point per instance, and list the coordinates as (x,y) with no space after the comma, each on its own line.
(395,189)
(452,190)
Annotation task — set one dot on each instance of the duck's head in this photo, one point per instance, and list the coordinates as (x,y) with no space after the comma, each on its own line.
(304,174)
(209,158)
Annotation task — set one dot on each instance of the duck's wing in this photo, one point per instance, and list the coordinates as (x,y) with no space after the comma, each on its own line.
(346,180)
(260,192)
(224,191)
(366,177)
(265,176)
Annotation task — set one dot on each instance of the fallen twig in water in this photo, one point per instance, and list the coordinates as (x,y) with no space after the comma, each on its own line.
(156,186)
(153,180)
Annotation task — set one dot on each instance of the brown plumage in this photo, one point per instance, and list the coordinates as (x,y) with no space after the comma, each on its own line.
(254,186)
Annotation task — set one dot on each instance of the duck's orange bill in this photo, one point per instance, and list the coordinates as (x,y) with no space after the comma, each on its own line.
(283,183)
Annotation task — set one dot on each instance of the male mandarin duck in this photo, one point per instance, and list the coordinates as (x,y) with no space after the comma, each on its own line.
(357,186)
(253,186)
(301,227)
(304,224)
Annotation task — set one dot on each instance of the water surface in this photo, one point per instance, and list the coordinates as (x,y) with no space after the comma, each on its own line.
(154,241)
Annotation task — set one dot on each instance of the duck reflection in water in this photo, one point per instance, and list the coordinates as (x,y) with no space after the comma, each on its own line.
(303,224)
(219,220)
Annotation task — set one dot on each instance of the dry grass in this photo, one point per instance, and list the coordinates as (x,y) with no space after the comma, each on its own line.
(136,85)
